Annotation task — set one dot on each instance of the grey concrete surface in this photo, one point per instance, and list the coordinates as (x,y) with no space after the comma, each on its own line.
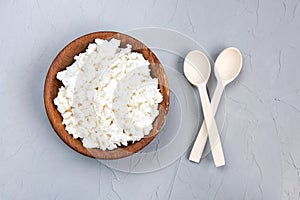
(261,133)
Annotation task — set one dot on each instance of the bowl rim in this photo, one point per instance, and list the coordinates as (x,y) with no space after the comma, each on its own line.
(50,81)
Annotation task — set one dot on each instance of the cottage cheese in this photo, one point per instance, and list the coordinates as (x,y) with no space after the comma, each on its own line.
(108,97)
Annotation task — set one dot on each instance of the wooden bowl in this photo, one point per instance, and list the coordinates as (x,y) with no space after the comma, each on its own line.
(66,57)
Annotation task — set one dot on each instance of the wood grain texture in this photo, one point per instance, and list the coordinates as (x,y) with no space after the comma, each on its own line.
(66,57)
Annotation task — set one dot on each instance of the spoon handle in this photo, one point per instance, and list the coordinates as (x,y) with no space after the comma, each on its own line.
(214,139)
(201,139)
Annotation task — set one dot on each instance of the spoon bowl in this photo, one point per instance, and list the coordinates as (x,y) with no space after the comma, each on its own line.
(196,67)
(228,65)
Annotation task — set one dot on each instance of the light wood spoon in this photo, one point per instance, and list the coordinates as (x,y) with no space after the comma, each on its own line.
(197,70)
(227,67)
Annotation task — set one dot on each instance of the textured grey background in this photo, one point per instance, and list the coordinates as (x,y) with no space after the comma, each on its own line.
(261,135)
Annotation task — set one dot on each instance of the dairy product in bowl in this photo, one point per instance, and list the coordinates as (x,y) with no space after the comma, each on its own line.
(108,97)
